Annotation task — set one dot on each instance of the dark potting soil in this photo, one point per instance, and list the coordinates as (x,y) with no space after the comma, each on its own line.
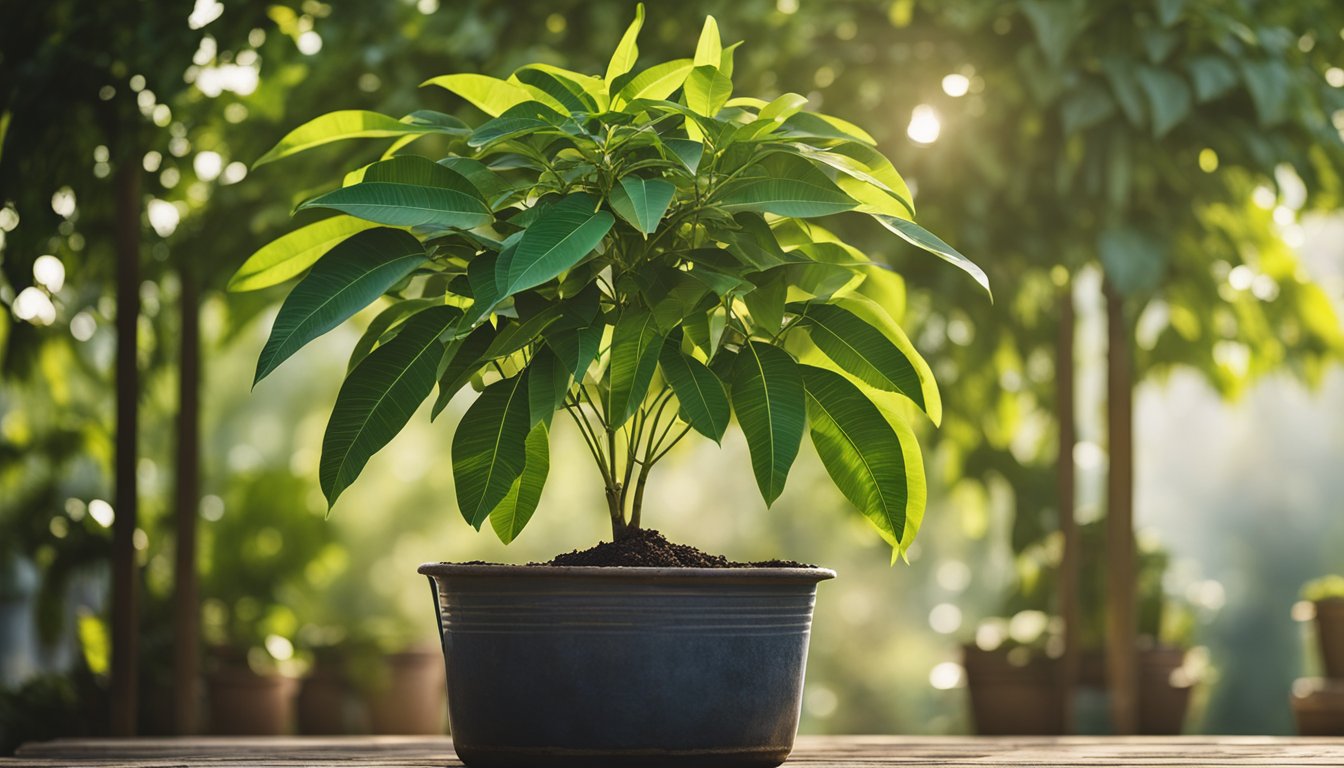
(648,548)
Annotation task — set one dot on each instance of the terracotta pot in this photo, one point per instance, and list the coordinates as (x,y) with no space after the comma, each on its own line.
(1013,696)
(1318,706)
(409,698)
(1330,635)
(244,703)
(327,704)
(611,667)
(1163,697)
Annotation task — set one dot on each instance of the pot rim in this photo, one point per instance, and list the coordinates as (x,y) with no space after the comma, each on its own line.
(809,574)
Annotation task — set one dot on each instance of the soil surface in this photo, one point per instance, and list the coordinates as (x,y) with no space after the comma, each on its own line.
(648,548)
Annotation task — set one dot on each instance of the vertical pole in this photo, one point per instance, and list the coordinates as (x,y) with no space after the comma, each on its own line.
(1068,524)
(1122,600)
(125,612)
(186,614)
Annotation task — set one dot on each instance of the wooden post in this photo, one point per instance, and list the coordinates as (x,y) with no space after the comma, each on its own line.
(1122,601)
(125,588)
(186,608)
(1068,524)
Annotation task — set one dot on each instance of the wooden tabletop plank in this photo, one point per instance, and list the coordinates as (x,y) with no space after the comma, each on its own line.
(810,751)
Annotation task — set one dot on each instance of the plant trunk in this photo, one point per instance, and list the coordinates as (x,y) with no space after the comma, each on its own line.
(1068,524)
(1122,601)
(125,614)
(186,616)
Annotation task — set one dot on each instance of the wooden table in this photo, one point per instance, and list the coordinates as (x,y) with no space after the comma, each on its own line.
(812,751)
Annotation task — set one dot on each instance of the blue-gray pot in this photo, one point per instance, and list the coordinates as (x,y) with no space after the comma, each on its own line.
(588,666)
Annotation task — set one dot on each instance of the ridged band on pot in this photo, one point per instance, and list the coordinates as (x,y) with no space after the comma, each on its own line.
(589,666)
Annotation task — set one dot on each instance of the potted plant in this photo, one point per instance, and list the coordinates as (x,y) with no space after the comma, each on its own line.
(1318,702)
(638,251)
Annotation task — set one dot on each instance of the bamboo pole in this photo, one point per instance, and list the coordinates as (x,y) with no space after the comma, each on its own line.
(1122,601)
(125,612)
(186,608)
(1068,524)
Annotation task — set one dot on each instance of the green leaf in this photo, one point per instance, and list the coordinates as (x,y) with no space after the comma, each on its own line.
(513,513)
(657,82)
(926,240)
(635,343)
(492,187)
(768,399)
(1212,76)
(686,151)
(1169,11)
(642,202)
(627,51)
(1057,24)
(530,117)
(765,302)
(379,397)
(815,125)
(1088,105)
(289,255)
(380,325)
(785,185)
(458,206)
(703,400)
(709,49)
(488,94)
(706,90)
(1270,84)
(547,384)
(861,452)
(337,126)
(569,94)
(343,282)
(865,351)
(576,347)
(1168,98)
(1119,73)
(489,447)
(460,361)
(561,237)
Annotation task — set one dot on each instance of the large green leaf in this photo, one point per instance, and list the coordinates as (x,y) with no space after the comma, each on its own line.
(657,82)
(704,402)
(627,51)
(513,513)
(344,124)
(861,349)
(878,316)
(419,171)
(785,185)
(709,49)
(547,384)
(379,397)
(489,447)
(706,90)
(289,255)
(642,202)
(768,399)
(561,237)
(488,94)
(1169,98)
(460,361)
(926,240)
(576,347)
(459,206)
(349,278)
(381,324)
(635,343)
(570,94)
(860,450)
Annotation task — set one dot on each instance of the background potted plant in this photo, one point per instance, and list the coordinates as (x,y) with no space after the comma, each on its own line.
(1318,703)
(639,251)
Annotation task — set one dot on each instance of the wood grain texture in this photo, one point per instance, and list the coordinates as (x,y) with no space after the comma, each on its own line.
(811,751)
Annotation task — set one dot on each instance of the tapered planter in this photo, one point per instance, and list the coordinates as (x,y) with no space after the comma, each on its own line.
(588,666)
(1318,706)
(408,696)
(1330,635)
(244,703)
(1013,699)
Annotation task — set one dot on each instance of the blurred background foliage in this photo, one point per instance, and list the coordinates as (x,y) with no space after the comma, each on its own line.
(1175,148)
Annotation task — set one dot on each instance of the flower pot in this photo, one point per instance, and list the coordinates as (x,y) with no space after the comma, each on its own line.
(408,698)
(1164,694)
(1330,634)
(594,666)
(1013,694)
(326,702)
(244,703)
(1318,706)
